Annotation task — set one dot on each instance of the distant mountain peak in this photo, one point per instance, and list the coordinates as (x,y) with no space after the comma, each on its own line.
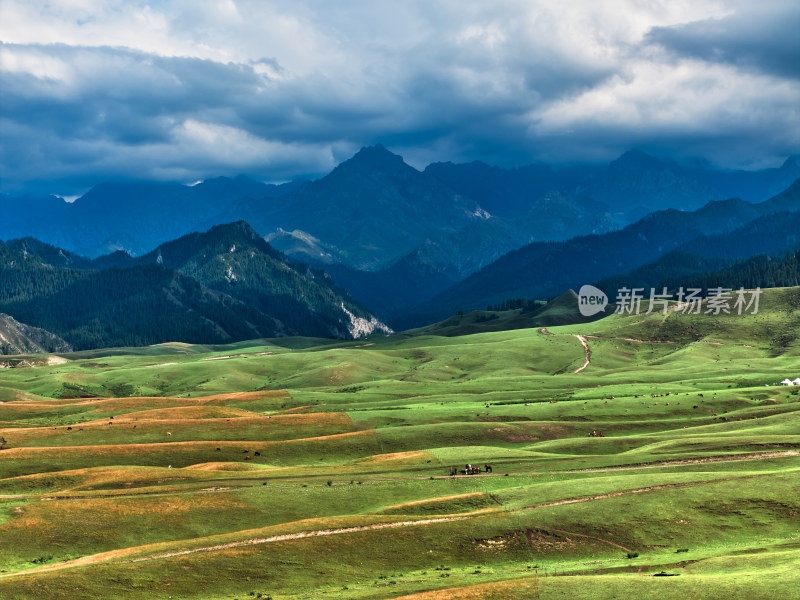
(791,164)
(237,228)
(376,156)
(636,159)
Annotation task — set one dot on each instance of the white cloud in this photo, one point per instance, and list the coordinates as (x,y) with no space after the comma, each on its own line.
(211,144)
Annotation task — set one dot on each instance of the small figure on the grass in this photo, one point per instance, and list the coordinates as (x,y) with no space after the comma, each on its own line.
(488,468)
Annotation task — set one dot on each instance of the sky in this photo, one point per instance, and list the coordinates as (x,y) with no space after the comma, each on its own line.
(184,90)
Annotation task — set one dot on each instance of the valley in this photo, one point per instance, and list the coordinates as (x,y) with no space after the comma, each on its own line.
(399,300)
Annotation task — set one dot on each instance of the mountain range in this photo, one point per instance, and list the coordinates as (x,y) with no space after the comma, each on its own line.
(222,285)
(373,209)
(374,237)
(730,229)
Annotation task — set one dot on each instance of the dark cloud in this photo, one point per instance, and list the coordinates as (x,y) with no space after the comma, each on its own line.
(245,88)
(765,38)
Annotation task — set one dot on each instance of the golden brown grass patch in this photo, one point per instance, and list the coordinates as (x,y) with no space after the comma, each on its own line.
(296,409)
(185,412)
(56,452)
(149,402)
(14,425)
(259,395)
(183,423)
(223,466)
(495,590)
(399,458)
(124,477)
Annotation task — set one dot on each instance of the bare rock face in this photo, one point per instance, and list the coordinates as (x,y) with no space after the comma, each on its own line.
(359,327)
(18,338)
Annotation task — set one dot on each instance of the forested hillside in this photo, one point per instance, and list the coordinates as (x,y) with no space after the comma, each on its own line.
(221,286)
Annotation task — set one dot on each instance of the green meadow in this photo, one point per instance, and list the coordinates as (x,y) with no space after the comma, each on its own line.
(303,468)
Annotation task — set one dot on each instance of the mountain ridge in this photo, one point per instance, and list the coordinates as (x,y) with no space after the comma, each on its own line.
(544,269)
(213,293)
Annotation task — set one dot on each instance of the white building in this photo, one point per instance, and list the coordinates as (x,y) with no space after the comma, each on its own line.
(787,382)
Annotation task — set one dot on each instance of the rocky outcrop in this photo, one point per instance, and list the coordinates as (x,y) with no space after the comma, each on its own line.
(18,338)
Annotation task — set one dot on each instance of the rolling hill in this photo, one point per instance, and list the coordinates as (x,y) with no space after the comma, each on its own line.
(637,456)
(562,310)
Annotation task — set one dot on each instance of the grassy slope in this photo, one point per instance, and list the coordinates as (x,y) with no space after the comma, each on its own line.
(141,456)
(561,310)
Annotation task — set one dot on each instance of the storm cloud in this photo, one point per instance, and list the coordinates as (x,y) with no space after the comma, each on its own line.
(761,38)
(181,91)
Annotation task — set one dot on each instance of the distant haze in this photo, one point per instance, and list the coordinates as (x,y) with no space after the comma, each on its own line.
(181,91)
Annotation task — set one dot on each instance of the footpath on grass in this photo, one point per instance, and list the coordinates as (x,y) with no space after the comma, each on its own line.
(582,340)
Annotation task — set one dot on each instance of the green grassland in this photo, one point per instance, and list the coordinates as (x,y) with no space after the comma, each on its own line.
(303,468)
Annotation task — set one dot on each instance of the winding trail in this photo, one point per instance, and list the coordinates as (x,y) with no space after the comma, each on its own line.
(114,556)
(297,536)
(586,351)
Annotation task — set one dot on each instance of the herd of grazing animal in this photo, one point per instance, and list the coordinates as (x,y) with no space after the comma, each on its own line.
(470,470)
